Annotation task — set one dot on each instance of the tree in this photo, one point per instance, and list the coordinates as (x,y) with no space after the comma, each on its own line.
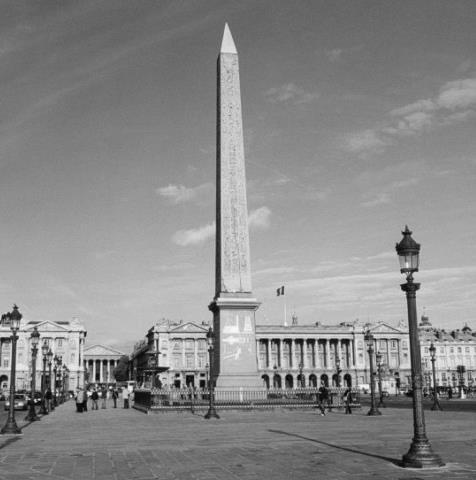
(121,372)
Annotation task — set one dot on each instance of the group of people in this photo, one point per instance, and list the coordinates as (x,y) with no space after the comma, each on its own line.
(99,395)
(324,400)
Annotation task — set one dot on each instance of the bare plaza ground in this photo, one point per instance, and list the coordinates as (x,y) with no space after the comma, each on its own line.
(277,444)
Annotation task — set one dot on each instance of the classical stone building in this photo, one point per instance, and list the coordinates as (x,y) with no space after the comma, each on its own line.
(99,363)
(296,355)
(64,338)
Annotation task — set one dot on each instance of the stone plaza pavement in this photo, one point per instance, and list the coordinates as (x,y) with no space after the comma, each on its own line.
(277,444)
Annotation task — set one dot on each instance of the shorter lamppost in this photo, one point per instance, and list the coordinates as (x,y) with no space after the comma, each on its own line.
(14,318)
(301,378)
(65,379)
(420,454)
(378,357)
(49,392)
(211,384)
(44,352)
(53,390)
(369,339)
(436,404)
(35,338)
(338,372)
(57,392)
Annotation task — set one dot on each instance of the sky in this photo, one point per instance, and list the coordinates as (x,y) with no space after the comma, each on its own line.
(359,118)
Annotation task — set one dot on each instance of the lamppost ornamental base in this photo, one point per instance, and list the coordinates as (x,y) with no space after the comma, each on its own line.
(212,413)
(421,455)
(374,412)
(10,427)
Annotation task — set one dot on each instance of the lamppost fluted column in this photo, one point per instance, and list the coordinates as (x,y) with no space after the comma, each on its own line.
(35,337)
(379,373)
(420,454)
(212,413)
(49,392)
(436,404)
(14,319)
(374,411)
(44,352)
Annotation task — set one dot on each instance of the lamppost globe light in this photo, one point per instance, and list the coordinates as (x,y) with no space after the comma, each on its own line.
(44,348)
(35,337)
(49,355)
(15,318)
(408,253)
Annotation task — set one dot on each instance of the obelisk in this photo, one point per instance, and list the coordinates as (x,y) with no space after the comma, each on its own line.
(234,363)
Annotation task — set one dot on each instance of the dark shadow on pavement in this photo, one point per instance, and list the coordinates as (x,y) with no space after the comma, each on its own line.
(396,462)
(9,441)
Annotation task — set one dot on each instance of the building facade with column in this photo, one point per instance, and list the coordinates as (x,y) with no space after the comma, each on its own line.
(64,338)
(100,362)
(295,355)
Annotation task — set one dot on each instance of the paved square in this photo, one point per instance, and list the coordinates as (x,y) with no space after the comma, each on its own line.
(277,444)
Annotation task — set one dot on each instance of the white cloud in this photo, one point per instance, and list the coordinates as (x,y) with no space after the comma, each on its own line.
(194,236)
(365,140)
(458,94)
(259,218)
(176,194)
(454,103)
(378,199)
(334,55)
(290,93)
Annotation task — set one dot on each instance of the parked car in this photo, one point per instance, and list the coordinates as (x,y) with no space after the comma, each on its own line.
(20,402)
(36,397)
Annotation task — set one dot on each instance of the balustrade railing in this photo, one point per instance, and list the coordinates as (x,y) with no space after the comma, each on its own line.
(165,399)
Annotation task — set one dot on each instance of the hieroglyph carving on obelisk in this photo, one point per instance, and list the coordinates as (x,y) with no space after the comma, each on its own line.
(234,357)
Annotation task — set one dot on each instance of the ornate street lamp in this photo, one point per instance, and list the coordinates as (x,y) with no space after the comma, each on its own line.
(65,378)
(35,338)
(53,390)
(436,404)
(14,318)
(420,454)
(51,405)
(211,384)
(378,357)
(44,352)
(369,339)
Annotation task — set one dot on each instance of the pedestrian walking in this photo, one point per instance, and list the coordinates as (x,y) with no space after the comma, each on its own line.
(48,397)
(115,394)
(125,397)
(94,399)
(104,397)
(347,397)
(322,397)
(80,396)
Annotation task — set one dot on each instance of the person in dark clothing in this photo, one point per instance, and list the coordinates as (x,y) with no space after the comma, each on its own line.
(322,398)
(347,397)
(115,394)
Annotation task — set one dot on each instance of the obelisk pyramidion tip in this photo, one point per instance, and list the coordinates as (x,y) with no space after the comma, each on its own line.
(227,44)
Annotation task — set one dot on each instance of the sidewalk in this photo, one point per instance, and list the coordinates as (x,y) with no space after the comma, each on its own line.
(124,444)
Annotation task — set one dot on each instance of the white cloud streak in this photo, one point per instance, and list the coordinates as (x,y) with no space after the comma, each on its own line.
(454,103)
(290,93)
(176,194)
(257,219)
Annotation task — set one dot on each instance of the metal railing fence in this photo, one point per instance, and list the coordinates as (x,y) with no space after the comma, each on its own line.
(172,399)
